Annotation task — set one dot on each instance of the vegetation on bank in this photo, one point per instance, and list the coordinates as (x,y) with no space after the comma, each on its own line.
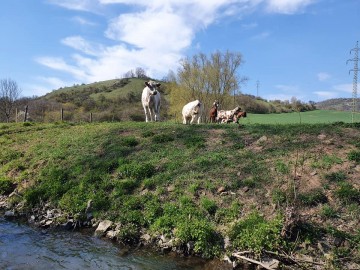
(199,184)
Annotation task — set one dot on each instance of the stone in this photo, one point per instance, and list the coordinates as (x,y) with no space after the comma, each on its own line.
(103,227)
(221,189)
(9,214)
(171,188)
(146,237)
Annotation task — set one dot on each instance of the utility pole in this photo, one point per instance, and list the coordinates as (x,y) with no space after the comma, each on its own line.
(257,88)
(355,70)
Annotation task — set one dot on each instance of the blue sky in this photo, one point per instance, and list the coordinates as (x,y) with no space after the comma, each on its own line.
(294,48)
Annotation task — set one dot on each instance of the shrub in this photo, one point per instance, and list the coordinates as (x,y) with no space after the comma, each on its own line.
(206,241)
(129,233)
(6,186)
(257,234)
(313,197)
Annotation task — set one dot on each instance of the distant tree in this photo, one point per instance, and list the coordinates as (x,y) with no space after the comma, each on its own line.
(129,74)
(9,93)
(140,73)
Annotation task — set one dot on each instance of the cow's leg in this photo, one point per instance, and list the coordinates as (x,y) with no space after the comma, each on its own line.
(146,114)
(198,119)
(157,113)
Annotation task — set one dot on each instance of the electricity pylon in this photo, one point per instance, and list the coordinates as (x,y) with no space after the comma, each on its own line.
(355,70)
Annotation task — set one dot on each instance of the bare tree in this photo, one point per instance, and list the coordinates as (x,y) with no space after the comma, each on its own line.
(140,73)
(9,93)
(208,78)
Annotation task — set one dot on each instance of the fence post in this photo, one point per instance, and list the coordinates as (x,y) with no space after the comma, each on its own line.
(16,115)
(26,112)
(91,118)
(62,114)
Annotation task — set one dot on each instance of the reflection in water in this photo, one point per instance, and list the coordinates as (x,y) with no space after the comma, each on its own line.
(22,247)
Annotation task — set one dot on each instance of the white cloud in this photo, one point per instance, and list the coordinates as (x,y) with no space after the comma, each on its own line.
(79,43)
(326,94)
(261,36)
(82,21)
(348,88)
(83,5)
(154,35)
(323,76)
(287,6)
(43,85)
(288,88)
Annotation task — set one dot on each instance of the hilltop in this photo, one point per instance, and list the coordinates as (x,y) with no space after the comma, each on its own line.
(204,190)
(339,104)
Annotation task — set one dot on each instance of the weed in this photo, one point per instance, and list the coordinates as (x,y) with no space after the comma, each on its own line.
(136,171)
(129,233)
(257,234)
(354,155)
(347,193)
(130,141)
(194,141)
(328,212)
(282,168)
(327,161)
(206,240)
(313,197)
(278,196)
(209,205)
(162,138)
(336,176)
(6,186)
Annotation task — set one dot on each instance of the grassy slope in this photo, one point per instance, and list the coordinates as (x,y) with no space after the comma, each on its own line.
(166,177)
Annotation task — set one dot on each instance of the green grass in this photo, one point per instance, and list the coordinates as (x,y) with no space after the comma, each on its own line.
(310,117)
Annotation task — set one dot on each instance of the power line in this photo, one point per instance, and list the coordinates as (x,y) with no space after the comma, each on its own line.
(355,70)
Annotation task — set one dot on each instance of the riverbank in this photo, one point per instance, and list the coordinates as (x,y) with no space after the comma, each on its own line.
(281,196)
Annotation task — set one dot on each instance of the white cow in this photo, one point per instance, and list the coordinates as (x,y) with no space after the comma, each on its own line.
(192,112)
(150,99)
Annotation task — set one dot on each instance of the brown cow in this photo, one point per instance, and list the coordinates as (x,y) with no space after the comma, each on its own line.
(238,116)
(214,111)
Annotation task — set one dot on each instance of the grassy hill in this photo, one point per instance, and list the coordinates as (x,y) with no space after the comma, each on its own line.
(197,184)
(340,104)
(120,100)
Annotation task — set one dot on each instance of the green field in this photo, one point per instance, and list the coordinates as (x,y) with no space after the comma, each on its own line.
(310,117)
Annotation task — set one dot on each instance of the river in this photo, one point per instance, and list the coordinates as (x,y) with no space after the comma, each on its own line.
(23,247)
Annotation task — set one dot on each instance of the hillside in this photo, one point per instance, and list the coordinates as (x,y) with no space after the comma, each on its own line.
(202,189)
(339,104)
(120,100)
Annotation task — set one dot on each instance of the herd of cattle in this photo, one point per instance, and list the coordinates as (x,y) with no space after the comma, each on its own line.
(191,112)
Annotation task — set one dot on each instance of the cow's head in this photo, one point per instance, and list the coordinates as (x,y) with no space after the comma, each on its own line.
(153,86)
(216,104)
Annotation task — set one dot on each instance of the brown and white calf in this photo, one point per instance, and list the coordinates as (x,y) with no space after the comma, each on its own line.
(214,111)
(227,116)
